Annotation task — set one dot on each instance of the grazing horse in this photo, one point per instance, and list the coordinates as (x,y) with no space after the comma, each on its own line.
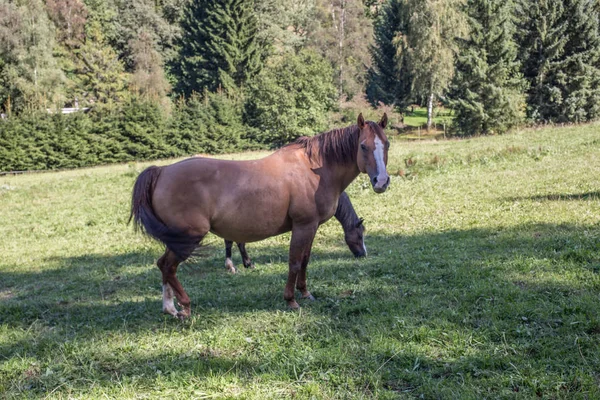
(294,189)
(354,231)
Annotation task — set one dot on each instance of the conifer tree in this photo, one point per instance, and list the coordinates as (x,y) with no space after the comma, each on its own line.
(219,47)
(487,90)
(389,80)
(560,51)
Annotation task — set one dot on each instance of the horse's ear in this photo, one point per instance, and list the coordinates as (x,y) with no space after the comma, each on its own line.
(383,122)
(361,121)
(359,223)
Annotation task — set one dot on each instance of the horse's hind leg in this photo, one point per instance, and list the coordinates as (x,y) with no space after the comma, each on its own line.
(228,263)
(168,264)
(245,257)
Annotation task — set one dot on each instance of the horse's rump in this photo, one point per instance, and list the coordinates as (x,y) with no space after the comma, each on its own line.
(145,219)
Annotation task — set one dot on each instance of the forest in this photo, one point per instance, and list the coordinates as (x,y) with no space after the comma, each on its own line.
(153,79)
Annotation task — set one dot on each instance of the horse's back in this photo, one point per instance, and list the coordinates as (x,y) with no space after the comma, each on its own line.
(243,201)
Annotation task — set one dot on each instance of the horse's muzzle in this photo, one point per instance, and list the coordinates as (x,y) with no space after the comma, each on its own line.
(378,187)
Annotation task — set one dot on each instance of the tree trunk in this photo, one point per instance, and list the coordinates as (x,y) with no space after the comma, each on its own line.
(341,36)
(429,111)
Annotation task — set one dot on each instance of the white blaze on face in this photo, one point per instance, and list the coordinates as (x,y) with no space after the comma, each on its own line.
(382,176)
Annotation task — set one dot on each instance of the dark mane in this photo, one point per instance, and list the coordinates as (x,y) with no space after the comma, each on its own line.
(336,146)
(346,214)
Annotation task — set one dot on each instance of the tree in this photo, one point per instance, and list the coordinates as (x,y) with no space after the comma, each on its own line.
(290,98)
(560,52)
(101,76)
(389,80)
(284,25)
(69,17)
(344,36)
(487,90)
(145,17)
(148,75)
(429,46)
(219,47)
(29,75)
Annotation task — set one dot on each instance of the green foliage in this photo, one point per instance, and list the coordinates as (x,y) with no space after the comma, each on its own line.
(290,98)
(100,74)
(137,18)
(137,129)
(29,74)
(42,141)
(284,25)
(219,47)
(389,80)
(486,93)
(342,36)
(212,124)
(560,52)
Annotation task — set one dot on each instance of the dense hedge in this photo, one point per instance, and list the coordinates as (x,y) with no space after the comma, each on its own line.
(138,130)
(292,97)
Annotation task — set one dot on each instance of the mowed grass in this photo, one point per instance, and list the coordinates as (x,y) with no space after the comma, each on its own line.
(418,117)
(482,281)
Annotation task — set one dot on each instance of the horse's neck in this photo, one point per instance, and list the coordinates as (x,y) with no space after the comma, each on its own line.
(346,214)
(342,175)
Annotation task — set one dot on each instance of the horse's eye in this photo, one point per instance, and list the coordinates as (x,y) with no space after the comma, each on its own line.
(364,147)
(387,145)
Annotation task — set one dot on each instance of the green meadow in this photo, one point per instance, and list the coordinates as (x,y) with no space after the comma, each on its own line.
(482,281)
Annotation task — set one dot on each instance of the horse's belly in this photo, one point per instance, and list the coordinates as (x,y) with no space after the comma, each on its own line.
(241,230)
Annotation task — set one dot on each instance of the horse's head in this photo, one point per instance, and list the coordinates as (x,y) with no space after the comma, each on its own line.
(373,152)
(355,239)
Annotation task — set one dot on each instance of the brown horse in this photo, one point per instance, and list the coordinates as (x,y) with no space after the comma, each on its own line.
(354,231)
(294,189)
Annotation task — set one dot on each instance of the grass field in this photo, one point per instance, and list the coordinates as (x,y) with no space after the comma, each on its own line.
(482,281)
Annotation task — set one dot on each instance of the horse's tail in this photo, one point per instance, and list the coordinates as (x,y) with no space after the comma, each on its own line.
(146,221)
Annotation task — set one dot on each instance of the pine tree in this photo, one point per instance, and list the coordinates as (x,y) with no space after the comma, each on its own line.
(560,51)
(487,90)
(388,79)
(219,47)
(100,74)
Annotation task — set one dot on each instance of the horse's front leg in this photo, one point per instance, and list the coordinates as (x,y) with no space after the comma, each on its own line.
(228,263)
(301,243)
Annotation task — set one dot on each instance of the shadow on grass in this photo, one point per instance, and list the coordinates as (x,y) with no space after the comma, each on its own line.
(590,196)
(530,291)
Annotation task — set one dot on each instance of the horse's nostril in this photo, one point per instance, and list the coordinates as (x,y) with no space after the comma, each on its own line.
(374,180)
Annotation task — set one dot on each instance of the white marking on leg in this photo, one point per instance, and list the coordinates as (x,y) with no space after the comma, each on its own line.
(168,304)
(364,247)
(229,266)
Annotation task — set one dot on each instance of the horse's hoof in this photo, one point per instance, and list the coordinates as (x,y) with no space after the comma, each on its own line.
(309,297)
(172,312)
(185,312)
(293,304)
(181,316)
(230,267)
(249,266)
